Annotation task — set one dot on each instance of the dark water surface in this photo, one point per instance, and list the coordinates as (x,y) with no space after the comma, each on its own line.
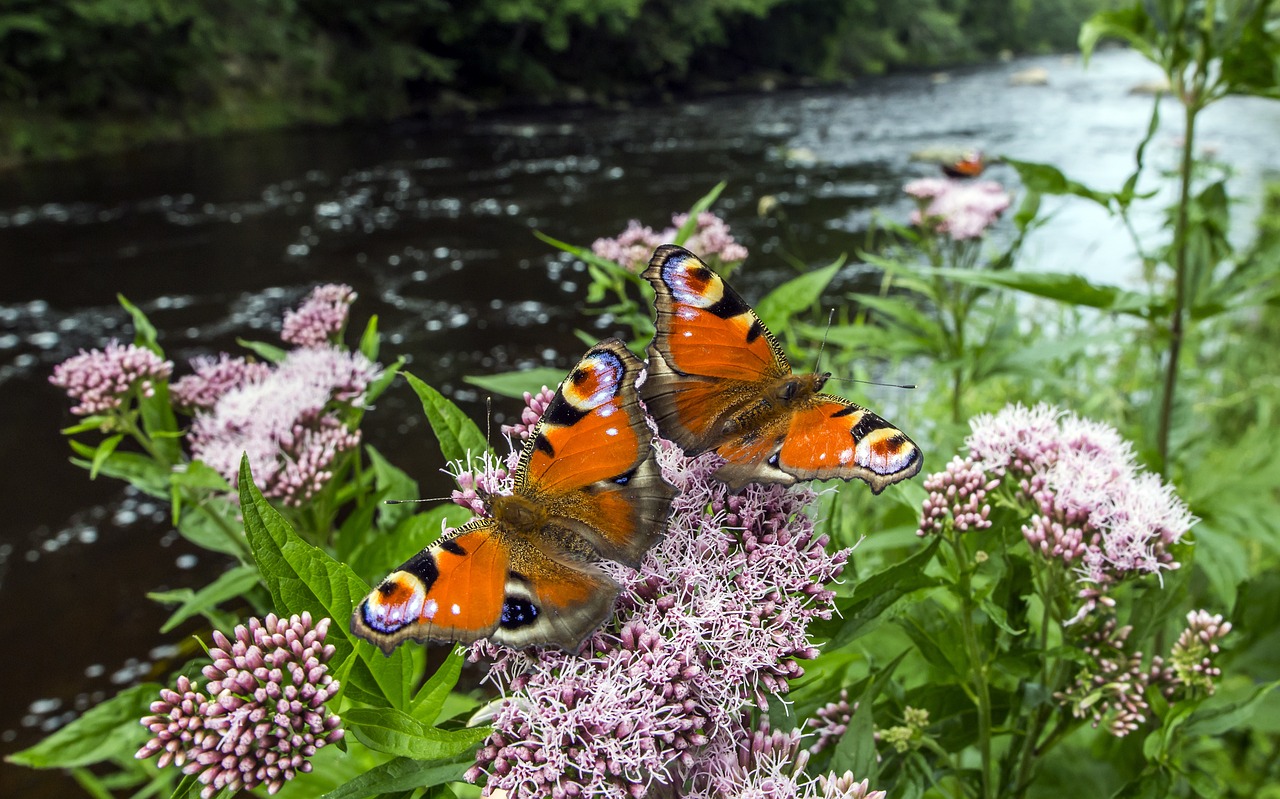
(432,224)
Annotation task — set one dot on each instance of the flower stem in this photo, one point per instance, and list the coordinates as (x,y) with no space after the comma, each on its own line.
(980,690)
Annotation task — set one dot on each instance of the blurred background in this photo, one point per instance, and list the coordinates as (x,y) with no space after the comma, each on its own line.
(214,161)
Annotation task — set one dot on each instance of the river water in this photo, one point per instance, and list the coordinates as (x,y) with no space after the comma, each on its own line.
(432,224)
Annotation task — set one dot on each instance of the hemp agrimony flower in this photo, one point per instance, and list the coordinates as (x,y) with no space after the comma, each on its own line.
(101,380)
(958,209)
(714,621)
(711,241)
(213,378)
(320,318)
(261,716)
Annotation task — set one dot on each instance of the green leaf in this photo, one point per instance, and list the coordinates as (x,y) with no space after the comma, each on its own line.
(515,384)
(231,584)
(591,259)
(142,472)
(390,481)
(144,333)
(691,223)
(107,730)
(1221,713)
(369,340)
(211,524)
(385,551)
(431,697)
(397,733)
(267,352)
(1066,288)
(1046,179)
(796,295)
(856,749)
(859,614)
(458,435)
(160,424)
(301,578)
(103,452)
(401,774)
(1130,24)
(382,382)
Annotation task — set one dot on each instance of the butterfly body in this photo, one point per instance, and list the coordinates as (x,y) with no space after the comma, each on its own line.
(719,380)
(587,488)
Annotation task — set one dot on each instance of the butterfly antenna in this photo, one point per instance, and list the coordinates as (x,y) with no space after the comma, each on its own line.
(817,362)
(488,421)
(409,501)
(872,382)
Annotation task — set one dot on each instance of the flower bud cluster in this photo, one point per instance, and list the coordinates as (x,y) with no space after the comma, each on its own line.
(534,406)
(320,318)
(262,715)
(101,380)
(957,498)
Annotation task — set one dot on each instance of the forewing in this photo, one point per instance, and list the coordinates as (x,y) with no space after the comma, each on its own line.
(703,327)
(832,437)
(590,461)
(711,356)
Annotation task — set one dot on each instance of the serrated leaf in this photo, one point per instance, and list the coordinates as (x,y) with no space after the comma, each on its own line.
(874,595)
(401,774)
(515,384)
(397,733)
(230,584)
(302,577)
(797,294)
(457,434)
(109,729)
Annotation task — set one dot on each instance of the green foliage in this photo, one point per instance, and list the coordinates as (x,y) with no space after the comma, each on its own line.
(91,75)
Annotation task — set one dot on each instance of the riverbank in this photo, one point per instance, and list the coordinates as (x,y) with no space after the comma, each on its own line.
(103,78)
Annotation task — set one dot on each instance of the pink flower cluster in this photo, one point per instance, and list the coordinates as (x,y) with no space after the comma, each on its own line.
(959,209)
(633,247)
(714,621)
(287,422)
(1192,656)
(212,378)
(320,318)
(1094,508)
(264,714)
(101,380)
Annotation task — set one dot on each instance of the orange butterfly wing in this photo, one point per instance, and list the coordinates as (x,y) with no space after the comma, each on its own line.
(719,380)
(587,487)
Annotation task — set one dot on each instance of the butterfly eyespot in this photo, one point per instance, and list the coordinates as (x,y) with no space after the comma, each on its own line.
(517,612)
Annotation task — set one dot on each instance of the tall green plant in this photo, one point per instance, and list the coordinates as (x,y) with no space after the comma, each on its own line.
(1208,50)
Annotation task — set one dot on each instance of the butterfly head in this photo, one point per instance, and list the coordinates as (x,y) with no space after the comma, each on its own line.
(791,389)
